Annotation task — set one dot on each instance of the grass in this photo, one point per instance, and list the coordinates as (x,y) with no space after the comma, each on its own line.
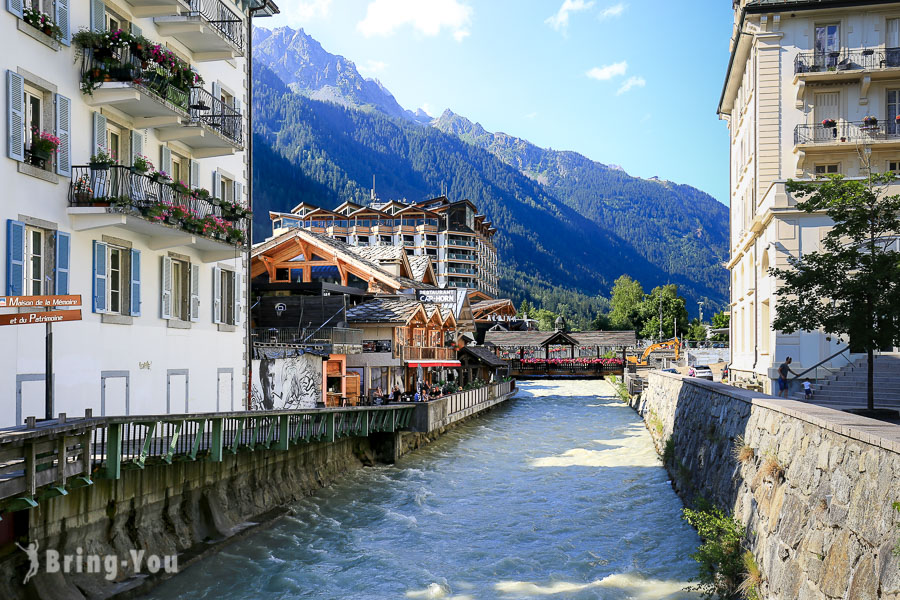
(753,577)
(772,469)
(655,422)
(668,455)
(742,452)
(619,387)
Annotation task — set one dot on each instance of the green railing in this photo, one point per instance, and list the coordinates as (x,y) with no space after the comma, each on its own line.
(51,458)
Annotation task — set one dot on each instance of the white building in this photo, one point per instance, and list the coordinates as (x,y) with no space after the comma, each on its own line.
(803,82)
(163,326)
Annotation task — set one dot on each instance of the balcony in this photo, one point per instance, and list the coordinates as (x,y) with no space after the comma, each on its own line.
(158,8)
(142,90)
(846,63)
(461,271)
(426,353)
(214,128)
(210,30)
(120,197)
(460,256)
(847,134)
(462,242)
(340,340)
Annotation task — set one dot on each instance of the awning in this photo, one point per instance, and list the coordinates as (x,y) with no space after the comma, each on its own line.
(432,363)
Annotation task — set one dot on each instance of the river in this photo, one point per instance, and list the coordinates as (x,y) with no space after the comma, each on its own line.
(557,494)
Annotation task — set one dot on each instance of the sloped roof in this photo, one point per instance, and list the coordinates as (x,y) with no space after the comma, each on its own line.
(383,310)
(483,355)
(539,338)
(379,253)
(418,263)
(412,284)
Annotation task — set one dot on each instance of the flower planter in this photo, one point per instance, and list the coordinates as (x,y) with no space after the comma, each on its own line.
(870,122)
(99,167)
(829,123)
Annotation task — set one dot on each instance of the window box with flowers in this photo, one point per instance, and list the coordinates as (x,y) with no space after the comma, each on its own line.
(141,165)
(43,23)
(233,211)
(829,123)
(43,147)
(870,121)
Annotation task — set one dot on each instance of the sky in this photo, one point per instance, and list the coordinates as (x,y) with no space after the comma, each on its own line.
(633,83)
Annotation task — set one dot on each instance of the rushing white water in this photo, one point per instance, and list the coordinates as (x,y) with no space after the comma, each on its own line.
(558,494)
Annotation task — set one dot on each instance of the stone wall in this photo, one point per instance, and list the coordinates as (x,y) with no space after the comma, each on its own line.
(823,527)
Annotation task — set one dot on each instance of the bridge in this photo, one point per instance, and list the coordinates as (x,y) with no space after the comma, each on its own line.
(566,369)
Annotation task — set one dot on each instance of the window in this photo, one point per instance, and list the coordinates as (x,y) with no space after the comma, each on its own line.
(180,290)
(36,263)
(822,170)
(894,166)
(37,260)
(113,21)
(117,279)
(828,45)
(45,6)
(226,296)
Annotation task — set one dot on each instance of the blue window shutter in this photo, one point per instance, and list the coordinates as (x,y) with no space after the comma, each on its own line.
(63,258)
(99,278)
(15,258)
(62,20)
(135,283)
(135,30)
(15,7)
(98,16)
(63,127)
(99,133)
(15,116)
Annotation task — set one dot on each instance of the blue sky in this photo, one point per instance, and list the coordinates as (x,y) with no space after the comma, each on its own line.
(627,82)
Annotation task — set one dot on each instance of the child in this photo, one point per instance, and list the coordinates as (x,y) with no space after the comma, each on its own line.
(807,389)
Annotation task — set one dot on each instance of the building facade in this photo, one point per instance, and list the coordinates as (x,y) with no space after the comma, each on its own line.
(458,240)
(140,209)
(813,88)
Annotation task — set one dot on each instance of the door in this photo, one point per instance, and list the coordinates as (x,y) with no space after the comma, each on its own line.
(893,109)
(113,395)
(225,392)
(826,107)
(828,45)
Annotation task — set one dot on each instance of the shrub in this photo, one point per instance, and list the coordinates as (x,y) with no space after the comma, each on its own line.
(742,452)
(771,468)
(753,577)
(668,455)
(720,556)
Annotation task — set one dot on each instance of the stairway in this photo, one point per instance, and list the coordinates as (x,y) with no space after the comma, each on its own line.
(847,387)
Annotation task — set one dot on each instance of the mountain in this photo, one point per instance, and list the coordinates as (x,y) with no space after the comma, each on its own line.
(301,63)
(567,226)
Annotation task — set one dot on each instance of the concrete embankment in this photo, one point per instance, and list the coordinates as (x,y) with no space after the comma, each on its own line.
(192,508)
(814,486)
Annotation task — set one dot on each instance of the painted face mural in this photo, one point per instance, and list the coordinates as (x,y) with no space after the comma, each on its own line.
(287,383)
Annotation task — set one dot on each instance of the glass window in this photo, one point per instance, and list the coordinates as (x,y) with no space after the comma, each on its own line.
(179,272)
(114,279)
(828,45)
(36,262)
(226,305)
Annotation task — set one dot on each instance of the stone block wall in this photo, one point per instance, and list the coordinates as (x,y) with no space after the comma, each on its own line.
(816,495)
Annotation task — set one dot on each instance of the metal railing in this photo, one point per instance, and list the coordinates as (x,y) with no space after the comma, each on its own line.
(124,66)
(461,242)
(847,60)
(425,353)
(120,189)
(215,114)
(460,256)
(283,336)
(462,270)
(57,456)
(846,131)
(222,19)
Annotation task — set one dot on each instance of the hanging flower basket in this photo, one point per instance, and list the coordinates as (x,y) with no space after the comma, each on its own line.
(828,123)
(870,121)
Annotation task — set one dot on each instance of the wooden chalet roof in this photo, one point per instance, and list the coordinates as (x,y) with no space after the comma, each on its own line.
(385,310)
(419,265)
(483,355)
(486,308)
(540,338)
(379,253)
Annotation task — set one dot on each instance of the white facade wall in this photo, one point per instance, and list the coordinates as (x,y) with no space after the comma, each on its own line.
(169,367)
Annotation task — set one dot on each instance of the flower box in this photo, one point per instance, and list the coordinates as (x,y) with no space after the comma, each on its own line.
(828,123)
(870,121)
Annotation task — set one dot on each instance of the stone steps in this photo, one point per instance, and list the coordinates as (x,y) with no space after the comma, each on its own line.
(848,386)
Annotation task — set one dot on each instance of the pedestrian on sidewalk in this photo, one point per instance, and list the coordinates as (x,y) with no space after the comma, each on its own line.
(807,389)
(783,371)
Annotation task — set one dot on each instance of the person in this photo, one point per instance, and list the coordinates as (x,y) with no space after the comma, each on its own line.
(379,396)
(417,397)
(807,389)
(692,372)
(783,371)
(395,395)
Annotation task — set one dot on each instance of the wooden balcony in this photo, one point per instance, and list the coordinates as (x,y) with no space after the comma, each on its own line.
(426,353)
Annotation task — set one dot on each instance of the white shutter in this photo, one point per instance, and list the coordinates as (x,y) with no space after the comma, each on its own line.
(15,7)
(237,105)
(98,16)
(63,128)
(137,145)
(238,295)
(238,189)
(217,295)
(892,37)
(166,289)
(135,30)
(195,292)
(62,21)
(216,93)
(194,174)
(99,133)
(15,116)
(216,183)
(165,160)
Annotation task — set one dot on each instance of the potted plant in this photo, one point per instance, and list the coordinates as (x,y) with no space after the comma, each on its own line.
(82,193)
(160,177)
(42,22)
(829,123)
(179,187)
(157,211)
(43,145)
(140,165)
(101,161)
(235,235)
(870,121)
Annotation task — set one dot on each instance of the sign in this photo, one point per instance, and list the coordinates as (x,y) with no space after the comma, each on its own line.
(42,317)
(39,301)
(452,298)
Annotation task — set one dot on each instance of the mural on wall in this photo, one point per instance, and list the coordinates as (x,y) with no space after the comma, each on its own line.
(286,383)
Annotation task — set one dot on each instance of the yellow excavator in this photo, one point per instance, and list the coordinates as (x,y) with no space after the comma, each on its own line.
(673,344)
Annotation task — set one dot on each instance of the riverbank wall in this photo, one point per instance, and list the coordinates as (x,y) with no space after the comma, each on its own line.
(190,509)
(813,486)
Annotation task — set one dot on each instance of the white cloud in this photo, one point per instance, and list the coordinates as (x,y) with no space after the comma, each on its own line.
(371,67)
(531,115)
(300,11)
(428,17)
(426,108)
(615,10)
(607,72)
(633,82)
(560,21)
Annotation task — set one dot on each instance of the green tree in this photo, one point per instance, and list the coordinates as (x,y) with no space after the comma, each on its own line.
(625,303)
(546,319)
(696,330)
(664,298)
(720,320)
(525,309)
(849,287)
(601,322)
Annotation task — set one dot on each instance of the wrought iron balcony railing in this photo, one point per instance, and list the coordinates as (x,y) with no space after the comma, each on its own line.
(846,131)
(122,65)
(847,60)
(123,190)
(222,19)
(212,112)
